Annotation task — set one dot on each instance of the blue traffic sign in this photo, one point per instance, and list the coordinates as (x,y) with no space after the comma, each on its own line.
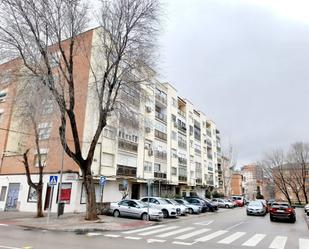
(53,180)
(102,180)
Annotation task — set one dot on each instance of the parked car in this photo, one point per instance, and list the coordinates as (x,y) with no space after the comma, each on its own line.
(135,209)
(198,202)
(264,203)
(222,203)
(270,202)
(256,208)
(239,200)
(282,211)
(169,210)
(183,208)
(306,209)
(233,201)
(211,205)
(192,209)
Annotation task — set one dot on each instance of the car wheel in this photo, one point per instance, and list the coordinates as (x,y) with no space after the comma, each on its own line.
(165,213)
(248,214)
(293,219)
(145,216)
(226,206)
(116,213)
(190,211)
(271,218)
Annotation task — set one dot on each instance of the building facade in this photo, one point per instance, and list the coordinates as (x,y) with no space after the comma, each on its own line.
(156,140)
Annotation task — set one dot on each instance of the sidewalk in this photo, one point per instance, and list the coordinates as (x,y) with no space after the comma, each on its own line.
(71,222)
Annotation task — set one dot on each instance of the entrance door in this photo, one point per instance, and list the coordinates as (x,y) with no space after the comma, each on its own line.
(49,191)
(135,191)
(12,198)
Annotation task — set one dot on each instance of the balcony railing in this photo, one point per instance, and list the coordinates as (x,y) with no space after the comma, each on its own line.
(123,170)
(199,181)
(160,175)
(160,135)
(161,116)
(160,155)
(161,98)
(127,145)
(208,142)
(182,128)
(208,132)
(182,113)
(182,178)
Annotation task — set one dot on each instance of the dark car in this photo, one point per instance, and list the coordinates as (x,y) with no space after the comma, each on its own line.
(199,202)
(282,211)
(211,205)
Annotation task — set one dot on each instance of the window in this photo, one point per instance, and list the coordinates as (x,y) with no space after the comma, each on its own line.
(157,167)
(174,171)
(43,153)
(32,195)
(47,106)
(109,132)
(174,135)
(147,166)
(174,153)
(174,102)
(3,95)
(107,160)
(44,130)
(3,193)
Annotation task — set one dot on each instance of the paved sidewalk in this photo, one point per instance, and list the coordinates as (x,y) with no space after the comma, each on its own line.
(71,222)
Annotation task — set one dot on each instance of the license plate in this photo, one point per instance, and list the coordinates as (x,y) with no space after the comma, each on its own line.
(280,211)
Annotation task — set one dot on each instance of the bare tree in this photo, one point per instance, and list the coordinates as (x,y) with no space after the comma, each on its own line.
(35,30)
(274,168)
(299,161)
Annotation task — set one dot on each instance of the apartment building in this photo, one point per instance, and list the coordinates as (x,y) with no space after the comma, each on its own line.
(237,184)
(155,143)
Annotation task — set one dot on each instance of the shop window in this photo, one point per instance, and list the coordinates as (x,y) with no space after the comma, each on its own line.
(3,193)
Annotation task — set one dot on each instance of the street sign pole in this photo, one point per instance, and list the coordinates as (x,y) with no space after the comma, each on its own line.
(149,182)
(49,204)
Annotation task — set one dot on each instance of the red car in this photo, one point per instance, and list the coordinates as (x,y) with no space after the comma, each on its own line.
(282,211)
(240,202)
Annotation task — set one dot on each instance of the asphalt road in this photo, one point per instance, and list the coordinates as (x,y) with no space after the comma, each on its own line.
(227,229)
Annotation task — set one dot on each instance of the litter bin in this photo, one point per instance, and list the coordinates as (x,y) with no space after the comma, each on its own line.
(60,208)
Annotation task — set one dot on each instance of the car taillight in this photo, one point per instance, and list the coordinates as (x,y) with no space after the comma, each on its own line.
(289,210)
(271,210)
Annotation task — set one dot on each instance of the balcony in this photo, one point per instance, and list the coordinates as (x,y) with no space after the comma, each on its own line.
(208,142)
(123,170)
(182,128)
(182,178)
(161,116)
(160,135)
(182,144)
(208,132)
(199,181)
(209,155)
(160,175)
(182,113)
(182,161)
(161,98)
(210,169)
(160,155)
(127,145)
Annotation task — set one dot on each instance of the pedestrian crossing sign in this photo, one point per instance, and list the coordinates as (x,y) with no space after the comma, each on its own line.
(53,180)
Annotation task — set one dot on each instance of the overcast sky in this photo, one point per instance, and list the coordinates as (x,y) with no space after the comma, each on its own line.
(245,64)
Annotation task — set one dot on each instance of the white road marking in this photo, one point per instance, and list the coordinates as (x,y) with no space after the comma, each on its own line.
(278,242)
(174,232)
(236,225)
(231,238)
(183,243)
(143,229)
(4,225)
(158,231)
(189,235)
(254,240)
(303,243)
(112,235)
(9,247)
(211,236)
(93,234)
(132,238)
(155,240)
(205,223)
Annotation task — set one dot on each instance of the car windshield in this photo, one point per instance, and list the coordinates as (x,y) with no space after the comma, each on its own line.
(162,201)
(280,205)
(169,201)
(255,204)
(141,204)
(185,202)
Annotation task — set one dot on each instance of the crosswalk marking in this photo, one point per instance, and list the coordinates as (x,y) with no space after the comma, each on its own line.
(132,238)
(211,236)
(112,235)
(183,243)
(278,242)
(189,235)
(231,238)
(254,240)
(303,243)
(175,232)
(158,231)
(143,229)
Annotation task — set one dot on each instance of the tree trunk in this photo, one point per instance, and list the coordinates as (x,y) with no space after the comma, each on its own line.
(39,202)
(91,212)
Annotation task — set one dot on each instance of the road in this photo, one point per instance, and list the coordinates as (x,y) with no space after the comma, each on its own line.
(227,229)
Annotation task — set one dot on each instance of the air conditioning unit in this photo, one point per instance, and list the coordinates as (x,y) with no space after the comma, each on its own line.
(150,152)
(147,129)
(148,109)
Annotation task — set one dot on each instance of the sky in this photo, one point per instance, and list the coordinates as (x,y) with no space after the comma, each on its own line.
(245,64)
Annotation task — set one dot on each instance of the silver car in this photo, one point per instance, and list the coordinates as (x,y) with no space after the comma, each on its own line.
(192,209)
(256,208)
(223,203)
(183,209)
(136,209)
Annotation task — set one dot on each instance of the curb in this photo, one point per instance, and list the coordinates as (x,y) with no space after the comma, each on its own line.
(307,219)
